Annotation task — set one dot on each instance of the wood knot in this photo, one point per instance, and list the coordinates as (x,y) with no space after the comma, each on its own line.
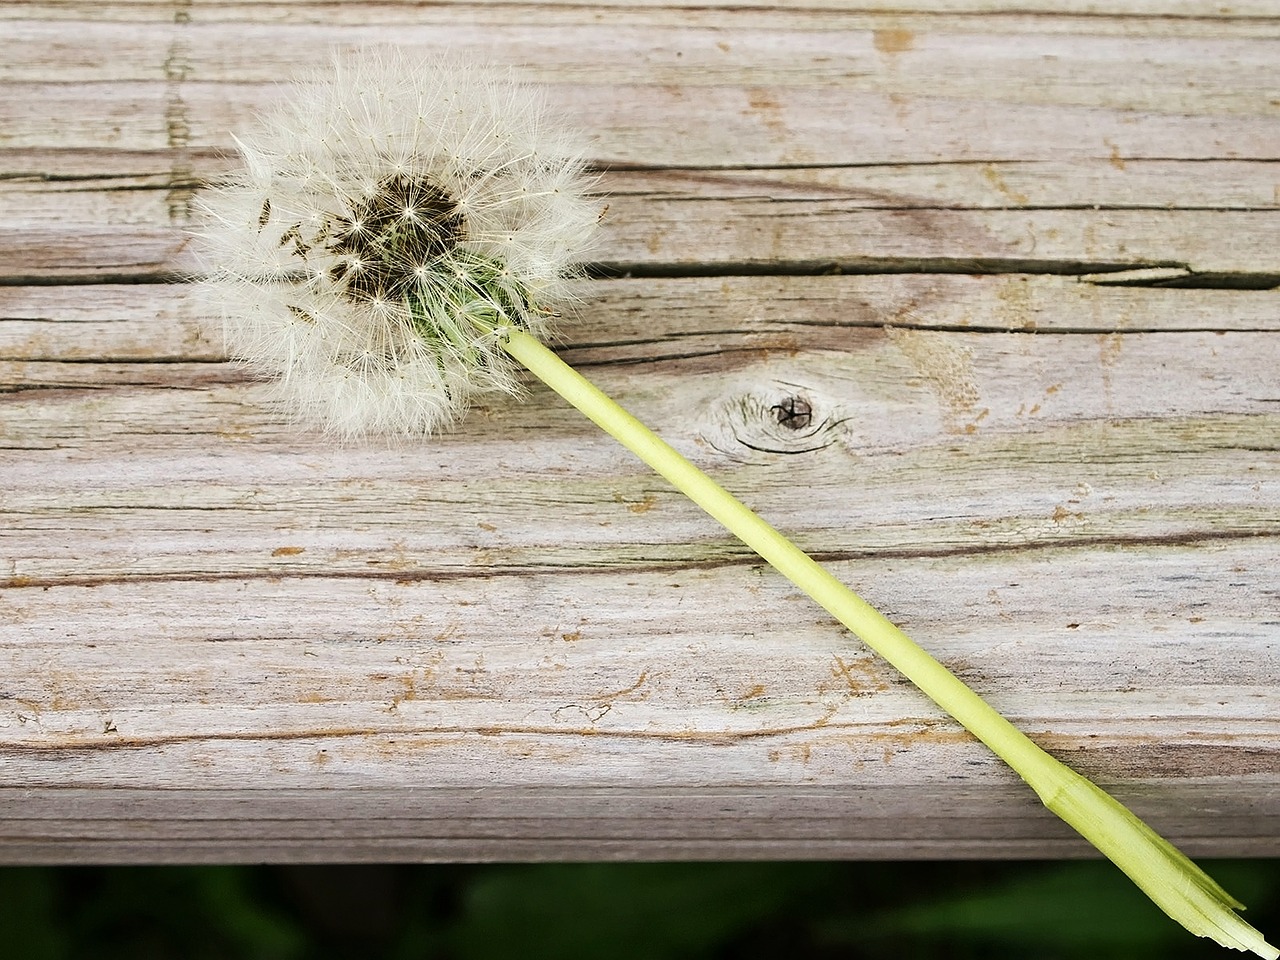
(783,420)
(794,413)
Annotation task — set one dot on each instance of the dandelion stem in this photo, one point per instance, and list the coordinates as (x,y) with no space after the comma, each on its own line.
(875,629)
(1166,875)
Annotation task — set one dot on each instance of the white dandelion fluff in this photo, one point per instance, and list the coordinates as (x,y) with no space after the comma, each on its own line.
(401,232)
(388,219)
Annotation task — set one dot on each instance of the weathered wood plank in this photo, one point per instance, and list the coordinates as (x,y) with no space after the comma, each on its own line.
(658,650)
(43,187)
(795,91)
(800,48)
(685,125)
(585,822)
(744,220)
(606,693)
(153,322)
(355,522)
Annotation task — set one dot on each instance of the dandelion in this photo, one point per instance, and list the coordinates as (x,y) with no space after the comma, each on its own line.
(388,222)
(399,238)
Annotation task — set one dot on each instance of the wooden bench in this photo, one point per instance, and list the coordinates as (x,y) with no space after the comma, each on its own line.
(977,300)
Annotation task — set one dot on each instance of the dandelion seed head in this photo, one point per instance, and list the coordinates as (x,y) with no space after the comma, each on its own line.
(388,219)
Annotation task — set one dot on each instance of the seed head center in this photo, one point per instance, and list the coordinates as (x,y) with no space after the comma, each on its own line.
(385,246)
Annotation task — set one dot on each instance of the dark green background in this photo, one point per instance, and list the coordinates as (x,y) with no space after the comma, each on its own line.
(608,911)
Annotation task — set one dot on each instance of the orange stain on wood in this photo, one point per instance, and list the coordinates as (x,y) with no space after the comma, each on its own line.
(893,40)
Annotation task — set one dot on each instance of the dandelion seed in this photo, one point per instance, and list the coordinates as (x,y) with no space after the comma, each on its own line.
(442,223)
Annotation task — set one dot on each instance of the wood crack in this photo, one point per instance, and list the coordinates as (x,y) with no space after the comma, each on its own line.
(593,567)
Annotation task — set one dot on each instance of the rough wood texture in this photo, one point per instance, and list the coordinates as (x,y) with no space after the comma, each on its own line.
(1016,265)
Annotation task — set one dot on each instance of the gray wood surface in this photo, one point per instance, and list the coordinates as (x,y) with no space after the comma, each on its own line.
(1017,264)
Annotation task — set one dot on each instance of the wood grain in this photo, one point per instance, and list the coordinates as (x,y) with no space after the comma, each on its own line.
(1016,266)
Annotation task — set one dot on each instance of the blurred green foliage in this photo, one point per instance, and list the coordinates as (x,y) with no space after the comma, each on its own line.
(615,911)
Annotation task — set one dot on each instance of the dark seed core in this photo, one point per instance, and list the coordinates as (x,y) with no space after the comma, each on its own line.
(405,225)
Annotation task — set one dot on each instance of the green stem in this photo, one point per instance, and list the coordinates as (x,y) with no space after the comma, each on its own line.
(1176,884)
(874,629)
